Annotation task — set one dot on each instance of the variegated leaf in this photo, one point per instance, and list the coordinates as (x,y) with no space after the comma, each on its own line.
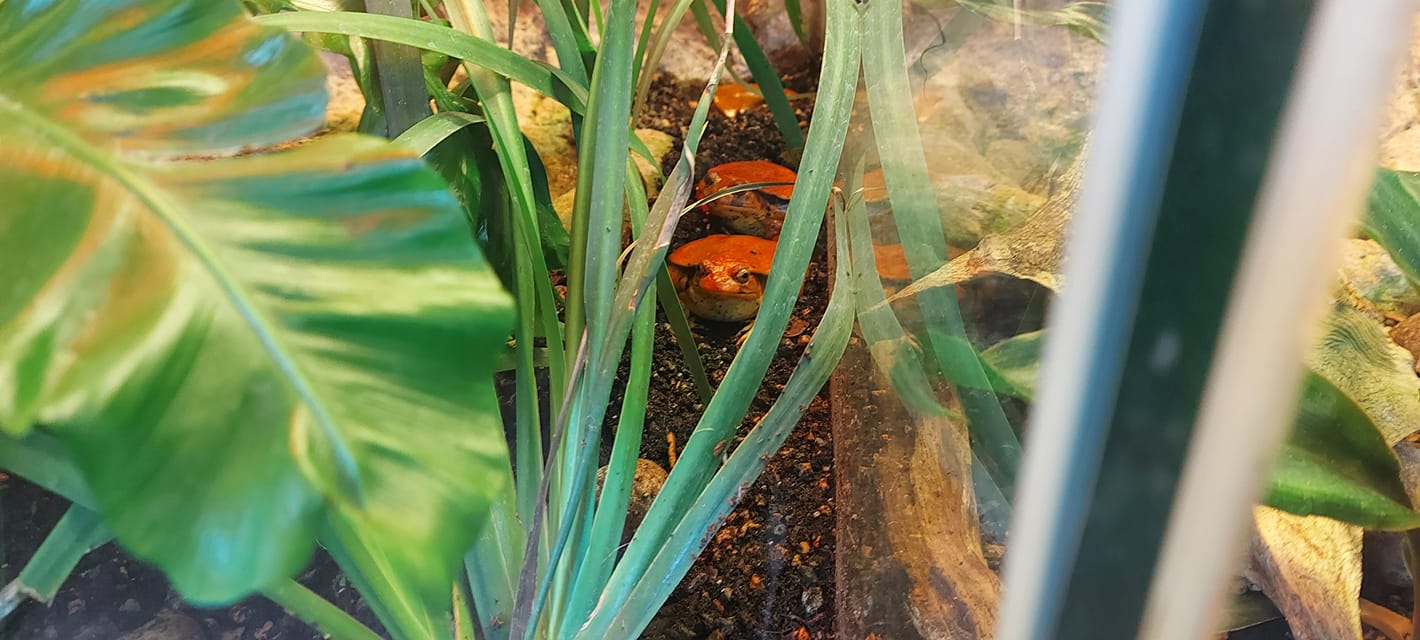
(236,352)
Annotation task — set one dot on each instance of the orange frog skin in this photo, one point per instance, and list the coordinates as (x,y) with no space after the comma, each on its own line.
(759,212)
(721,277)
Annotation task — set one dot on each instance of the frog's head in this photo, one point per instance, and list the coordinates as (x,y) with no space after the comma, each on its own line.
(722,277)
(758,212)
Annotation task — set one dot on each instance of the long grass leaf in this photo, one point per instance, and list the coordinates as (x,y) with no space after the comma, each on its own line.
(915,211)
(77,532)
(650,58)
(401,75)
(597,222)
(627,617)
(796,242)
(768,78)
(569,40)
(40,458)
(685,340)
(434,130)
(894,354)
(610,516)
(535,296)
(478,51)
(646,256)
(317,611)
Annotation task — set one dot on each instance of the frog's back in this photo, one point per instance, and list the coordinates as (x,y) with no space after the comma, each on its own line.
(753,252)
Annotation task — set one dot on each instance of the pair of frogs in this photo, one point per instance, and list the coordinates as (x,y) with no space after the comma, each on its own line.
(721,276)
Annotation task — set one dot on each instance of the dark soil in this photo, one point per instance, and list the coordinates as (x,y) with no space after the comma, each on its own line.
(110,594)
(768,572)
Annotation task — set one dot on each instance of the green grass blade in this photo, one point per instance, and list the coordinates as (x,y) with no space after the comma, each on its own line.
(915,212)
(700,10)
(768,78)
(478,51)
(401,75)
(495,94)
(362,67)
(597,223)
(893,353)
(601,175)
(684,338)
(795,14)
(491,566)
(1393,218)
(434,130)
(465,625)
(638,59)
(610,518)
(40,458)
(569,40)
(317,611)
(403,615)
(646,257)
(77,532)
(627,616)
(651,58)
(801,227)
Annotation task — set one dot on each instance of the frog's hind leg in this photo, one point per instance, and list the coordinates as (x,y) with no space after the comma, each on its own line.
(743,334)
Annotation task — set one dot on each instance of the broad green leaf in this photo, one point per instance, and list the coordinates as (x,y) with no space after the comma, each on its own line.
(1011,364)
(159,76)
(235,352)
(1393,218)
(1357,356)
(1336,464)
(1359,399)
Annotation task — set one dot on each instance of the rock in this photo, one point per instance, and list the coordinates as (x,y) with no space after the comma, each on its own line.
(1407,335)
(1372,282)
(168,625)
(649,479)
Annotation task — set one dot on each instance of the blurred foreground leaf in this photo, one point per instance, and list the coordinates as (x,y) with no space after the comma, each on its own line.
(235,352)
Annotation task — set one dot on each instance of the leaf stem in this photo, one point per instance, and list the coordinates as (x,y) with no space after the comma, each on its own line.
(318,612)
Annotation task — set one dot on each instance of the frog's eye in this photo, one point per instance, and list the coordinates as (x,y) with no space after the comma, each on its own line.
(741,276)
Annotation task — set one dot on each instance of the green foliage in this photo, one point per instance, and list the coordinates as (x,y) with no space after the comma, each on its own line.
(79,531)
(236,354)
(1336,464)
(1011,364)
(1393,218)
(1337,461)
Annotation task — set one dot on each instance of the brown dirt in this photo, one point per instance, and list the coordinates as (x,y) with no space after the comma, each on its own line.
(768,572)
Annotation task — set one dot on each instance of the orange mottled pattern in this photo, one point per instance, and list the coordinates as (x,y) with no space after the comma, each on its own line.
(759,211)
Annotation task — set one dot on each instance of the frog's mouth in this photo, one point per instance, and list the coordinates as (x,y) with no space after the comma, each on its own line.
(723,306)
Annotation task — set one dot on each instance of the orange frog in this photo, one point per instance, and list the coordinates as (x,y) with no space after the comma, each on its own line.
(759,212)
(721,277)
